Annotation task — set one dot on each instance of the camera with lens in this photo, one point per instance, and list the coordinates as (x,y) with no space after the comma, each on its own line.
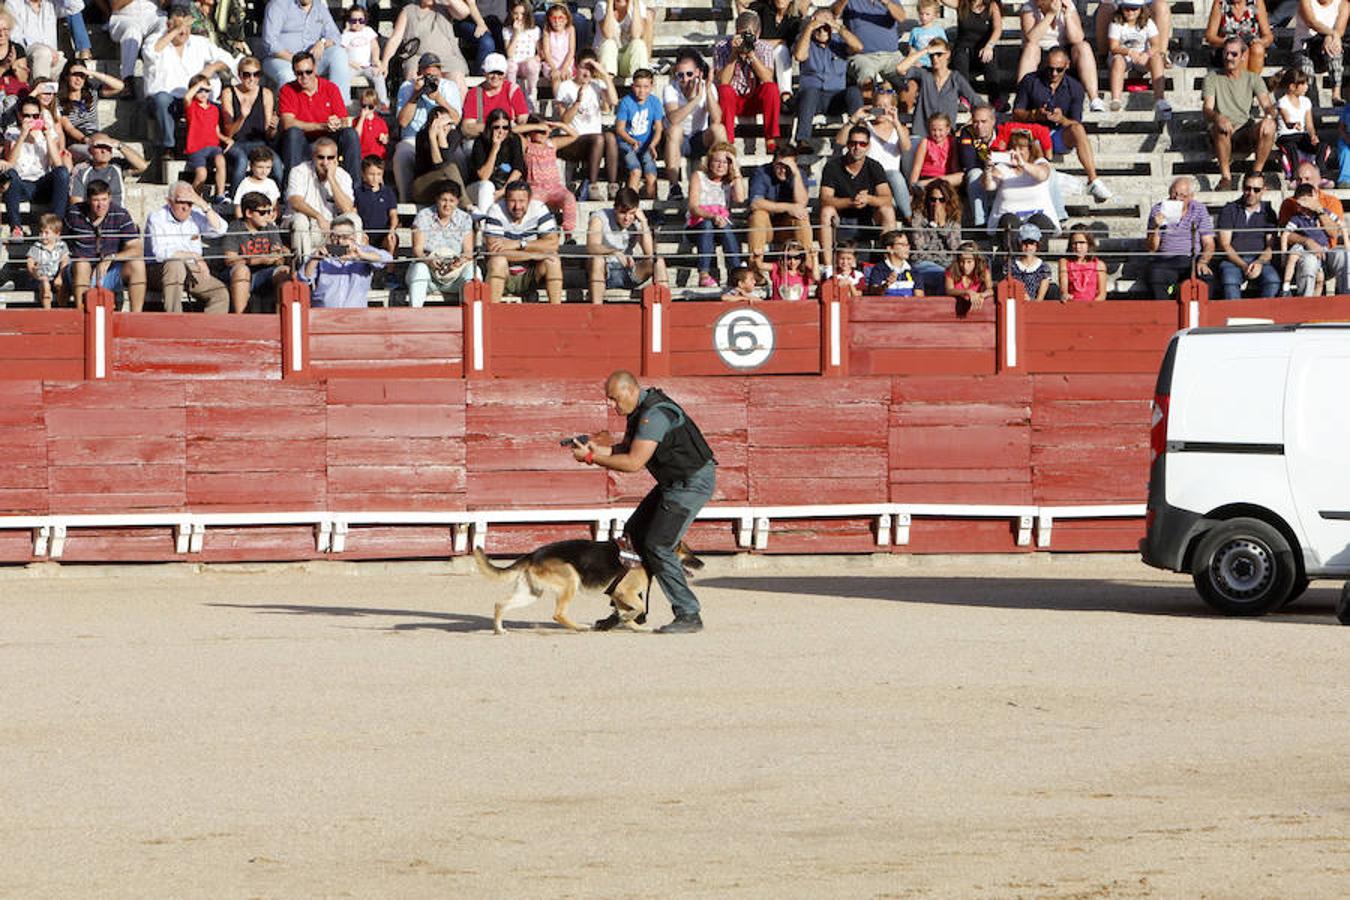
(430,83)
(745,41)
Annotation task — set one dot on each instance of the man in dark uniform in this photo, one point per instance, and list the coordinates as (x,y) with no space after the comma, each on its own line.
(662,437)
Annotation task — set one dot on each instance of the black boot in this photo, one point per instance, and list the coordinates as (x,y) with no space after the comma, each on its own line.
(1343,605)
(683,624)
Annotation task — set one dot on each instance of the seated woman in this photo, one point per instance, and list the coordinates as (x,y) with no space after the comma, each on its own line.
(78,102)
(624,33)
(1246,19)
(498,158)
(434,162)
(713,190)
(1047,24)
(1319,27)
(432,25)
(935,235)
(1020,185)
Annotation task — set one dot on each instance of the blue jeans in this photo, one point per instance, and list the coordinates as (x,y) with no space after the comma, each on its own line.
(489,42)
(812,101)
(295,149)
(932,277)
(657,526)
(706,235)
(79,34)
(1231,277)
(333,66)
(54,188)
(236,164)
(1343,157)
(165,109)
(639,160)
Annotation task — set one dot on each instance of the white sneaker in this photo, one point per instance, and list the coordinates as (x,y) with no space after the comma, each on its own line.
(1099,191)
(1097,105)
(1163,110)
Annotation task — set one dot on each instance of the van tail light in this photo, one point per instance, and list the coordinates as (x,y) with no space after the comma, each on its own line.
(1157,438)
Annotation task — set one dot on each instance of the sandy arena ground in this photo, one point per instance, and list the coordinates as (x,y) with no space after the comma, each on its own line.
(953,727)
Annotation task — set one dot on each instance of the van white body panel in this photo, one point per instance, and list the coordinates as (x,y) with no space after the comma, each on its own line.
(1317,447)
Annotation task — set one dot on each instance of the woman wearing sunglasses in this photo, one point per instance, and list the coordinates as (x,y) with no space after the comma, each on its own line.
(249,117)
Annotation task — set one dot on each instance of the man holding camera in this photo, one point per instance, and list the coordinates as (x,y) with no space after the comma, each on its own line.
(415,100)
(745,84)
(822,51)
(661,437)
(521,238)
(341,269)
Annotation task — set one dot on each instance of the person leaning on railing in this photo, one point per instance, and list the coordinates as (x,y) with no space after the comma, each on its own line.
(1246,231)
(105,246)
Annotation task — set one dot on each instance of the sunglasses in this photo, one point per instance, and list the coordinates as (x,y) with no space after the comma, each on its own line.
(300,72)
(249,73)
(501,127)
(1253,188)
(107,147)
(365,106)
(685,75)
(858,143)
(1057,69)
(262,210)
(326,156)
(937,53)
(32,115)
(885,90)
(1232,54)
(79,74)
(356,21)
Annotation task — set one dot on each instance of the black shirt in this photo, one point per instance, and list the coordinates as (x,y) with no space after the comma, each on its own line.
(770,29)
(847,185)
(263,242)
(510,158)
(1235,217)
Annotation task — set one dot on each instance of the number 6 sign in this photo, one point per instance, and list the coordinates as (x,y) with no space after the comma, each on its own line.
(743,338)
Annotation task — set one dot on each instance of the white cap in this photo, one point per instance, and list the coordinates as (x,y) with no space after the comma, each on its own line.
(495,62)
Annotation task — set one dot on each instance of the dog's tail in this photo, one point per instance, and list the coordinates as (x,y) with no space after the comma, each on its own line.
(687,557)
(489,569)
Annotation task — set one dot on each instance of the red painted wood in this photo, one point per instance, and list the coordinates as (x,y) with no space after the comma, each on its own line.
(197,358)
(834,330)
(1281,310)
(294,308)
(346,391)
(396,451)
(655,361)
(15,546)
(394,420)
(266,489)
(1120,336)
(429,320)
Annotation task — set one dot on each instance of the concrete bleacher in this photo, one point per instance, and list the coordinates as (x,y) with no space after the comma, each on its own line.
(1137,155)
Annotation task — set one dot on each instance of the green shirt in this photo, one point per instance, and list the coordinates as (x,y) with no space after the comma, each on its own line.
(1233,96)
(655,424)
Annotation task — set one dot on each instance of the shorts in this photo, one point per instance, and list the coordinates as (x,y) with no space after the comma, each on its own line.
(1245,138)
(617,275)
(634,160)
(1057,141)
(692,146)
(112,280)
(261,278)
(520,282)
(200,158)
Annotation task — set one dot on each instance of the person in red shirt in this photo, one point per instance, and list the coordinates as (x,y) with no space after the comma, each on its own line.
(206,143)
(494,93)
(311,107)
(372,127)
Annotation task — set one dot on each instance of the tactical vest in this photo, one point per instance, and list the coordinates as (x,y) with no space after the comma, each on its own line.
(682,452)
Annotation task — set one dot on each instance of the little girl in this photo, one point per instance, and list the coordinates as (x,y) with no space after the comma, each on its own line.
(1296,131)
(541,168)
(968,276)
(936,155)
(522,51)
(1082,276)
(363,53)
(1030,269)
(1135,48)
(206,143)
(847,275)
(558,49)
(790,278)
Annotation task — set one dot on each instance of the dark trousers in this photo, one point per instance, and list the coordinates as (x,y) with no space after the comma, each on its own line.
(1165,273)
(165,109)
(812,101)
(966,60)
(236,163)
(658,525)
(54,187)
(295,149)
(489,43)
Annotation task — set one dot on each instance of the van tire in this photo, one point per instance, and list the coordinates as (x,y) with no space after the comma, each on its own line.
(1244,567)
(1300,585)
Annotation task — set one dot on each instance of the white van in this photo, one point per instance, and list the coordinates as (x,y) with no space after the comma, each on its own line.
(1249,488)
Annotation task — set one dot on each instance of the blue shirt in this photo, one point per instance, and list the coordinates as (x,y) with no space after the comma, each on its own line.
(904,283)
(373,207)
(448,89)
(1033,92)
(639,119)
(872,23)
(921,35)
(763,186)
(826,65)
(288,27)
(343,285)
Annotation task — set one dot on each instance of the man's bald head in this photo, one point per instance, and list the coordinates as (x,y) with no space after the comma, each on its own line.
(622,391)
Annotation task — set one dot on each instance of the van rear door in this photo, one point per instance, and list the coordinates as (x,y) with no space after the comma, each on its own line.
(1317,446)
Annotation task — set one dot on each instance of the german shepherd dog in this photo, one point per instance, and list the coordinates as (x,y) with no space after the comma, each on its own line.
(565,567)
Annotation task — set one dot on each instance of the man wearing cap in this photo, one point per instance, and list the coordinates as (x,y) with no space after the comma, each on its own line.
(173,56)
(310,108)
(743,69)
(173,236)
(494,93)
(414,102)
(292,26)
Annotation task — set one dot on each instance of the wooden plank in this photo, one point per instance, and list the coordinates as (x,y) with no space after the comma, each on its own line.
(41,321)
(147,478)
(411,420)
(1094,362)
(923,362)
(373,542)
(1066,338)
(26,392)
(393,347)
(960,447)
(1114,386)
(287,394)
(120,395)
(193,358)
(257,421)
(953,335)
(875,310)
(485,393)
(704,314)
(782,362)
(264,455)
(111,501)
(347,391)
(105,450)
(428,320)
(301,489)
(41,346)
(960,492)
(817,392)
(444,370)
(378,501)
(128,422)
(446,450)
(42,370)
(904,415)
(1281,310)
(1093,315)
(852,425)
(962,536)
(24,478)
(406,479)
(772,490)
(174,327)
(582,486)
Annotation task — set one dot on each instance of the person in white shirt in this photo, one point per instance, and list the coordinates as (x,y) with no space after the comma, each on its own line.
(693,118)
(363,53)
(579,102)
(131,22)
(317,191)
(172,58)
(36,170)
(35,29)
(174,233)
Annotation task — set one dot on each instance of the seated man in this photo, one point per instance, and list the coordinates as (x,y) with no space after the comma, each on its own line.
(292,27)
(341,269)
(255,255)
(877,26)
(1178,241)
(1247,244)
(130,23)
(693,119)
(173,235)
(317,191)
(172,57)
(974,142)
(1307,173)
(522,243)
(442,245)
(99,167)
(743,70)
(413,105)
(312,108)
(779,201)
(105,246)
(822,49)
(37,171)
(854,194)
(622,252)
(1054,98)
(1050,25)
(1228,95)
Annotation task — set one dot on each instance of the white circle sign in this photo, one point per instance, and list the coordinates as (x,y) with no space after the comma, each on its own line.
(743,338)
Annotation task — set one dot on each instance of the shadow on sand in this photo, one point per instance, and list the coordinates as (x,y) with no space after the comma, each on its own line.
(1062,594)
(441,621)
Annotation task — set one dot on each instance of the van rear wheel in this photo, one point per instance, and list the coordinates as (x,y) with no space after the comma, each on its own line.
(1244,567)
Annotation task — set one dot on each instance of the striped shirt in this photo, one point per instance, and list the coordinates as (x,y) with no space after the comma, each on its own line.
(91,241)
(536,222)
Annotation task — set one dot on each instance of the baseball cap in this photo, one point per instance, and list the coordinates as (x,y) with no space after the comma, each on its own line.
(1132,4)
(495,62)
(1029,232)
(427,60)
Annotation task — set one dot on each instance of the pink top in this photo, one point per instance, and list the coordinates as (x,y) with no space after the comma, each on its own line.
(785,285)
(937,157)
(1082,280)
(541,166)
(555,50)
(969,283)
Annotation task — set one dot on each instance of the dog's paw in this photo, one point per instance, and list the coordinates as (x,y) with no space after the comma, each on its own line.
(634,626)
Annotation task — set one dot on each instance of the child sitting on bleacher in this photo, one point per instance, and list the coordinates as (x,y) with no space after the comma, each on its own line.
(1305,241)
(638,125)
(521,37)
(1033,272)
(48,260)
(259,179)
(892,276)
(929,27)
(371,127)
(968,277)
(1295,127)
(377,205)
(1135,50)
(363,53)
(847,275)
(558,50)
(936,156)
(744,286)
(206,143)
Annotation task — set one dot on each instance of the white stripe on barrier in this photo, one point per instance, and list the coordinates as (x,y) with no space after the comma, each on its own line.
(836,334)
(657,312)
(100,341)
(1193,314)
(297,348)
(478,335)
(1010,336)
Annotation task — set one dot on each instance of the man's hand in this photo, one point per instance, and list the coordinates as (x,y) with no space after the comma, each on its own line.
(1253,269)
(800,213)
(1056,116)
(860,200)
(581,450)
(101,270)
(317,50)
(1223,124)
(1202,268)
(334,123)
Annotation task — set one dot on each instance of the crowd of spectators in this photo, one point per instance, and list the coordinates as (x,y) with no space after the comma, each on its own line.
(495,118)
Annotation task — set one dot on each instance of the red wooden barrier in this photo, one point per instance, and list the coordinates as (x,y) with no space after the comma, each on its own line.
(920,337)
(715,338)
(1010,299)
(194,345)
(293,305)
(835,330)
(23,445)
(99,304)
(655,348)
(543,342)
(477,300)
(387,343)
(1280,310)
(42,343)
(1116,336)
